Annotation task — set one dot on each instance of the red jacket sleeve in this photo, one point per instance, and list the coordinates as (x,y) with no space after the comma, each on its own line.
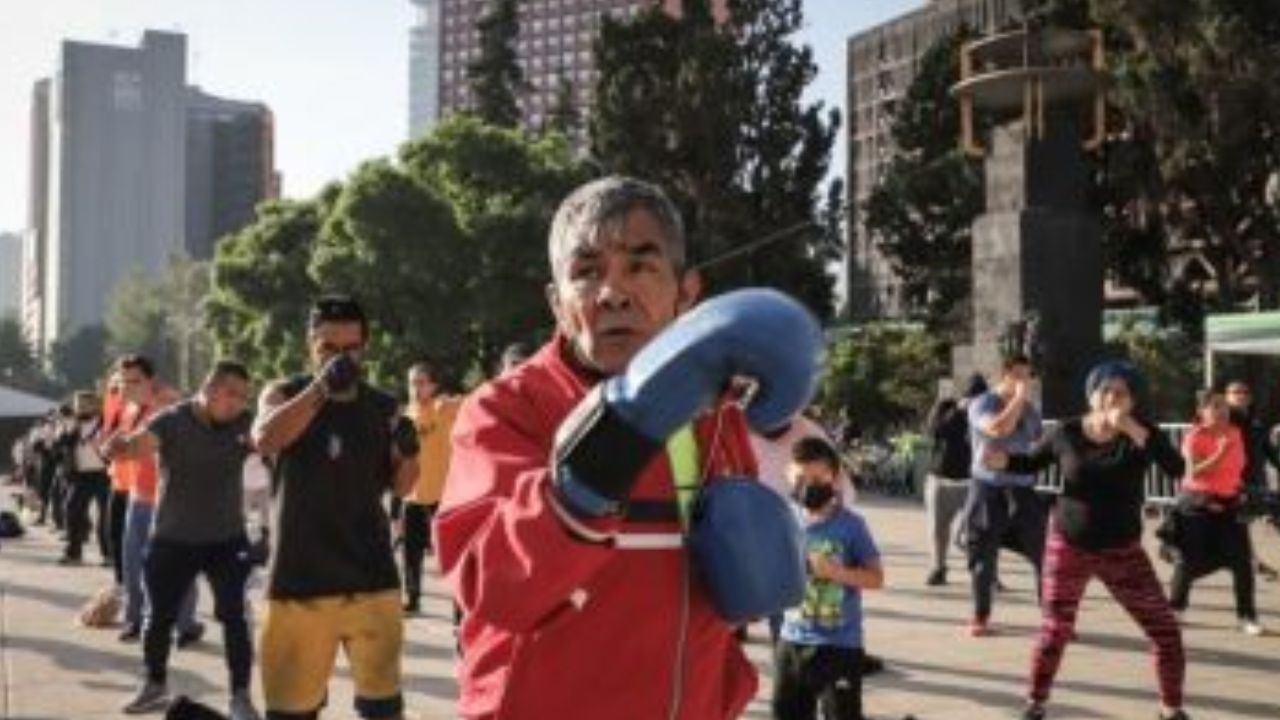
(505,550)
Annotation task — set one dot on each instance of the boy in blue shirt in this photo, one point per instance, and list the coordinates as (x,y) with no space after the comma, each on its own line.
(819,655)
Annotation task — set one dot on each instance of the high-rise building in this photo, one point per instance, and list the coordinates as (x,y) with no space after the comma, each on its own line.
(129,167)
(555,44)
(117,139)
(10,274)
(882,63)
(36,235)
(424,67)
(230,167)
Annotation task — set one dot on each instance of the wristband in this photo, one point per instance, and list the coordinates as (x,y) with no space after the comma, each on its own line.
(598,450)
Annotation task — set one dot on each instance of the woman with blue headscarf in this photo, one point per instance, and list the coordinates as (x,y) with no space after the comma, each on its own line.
(1096,528)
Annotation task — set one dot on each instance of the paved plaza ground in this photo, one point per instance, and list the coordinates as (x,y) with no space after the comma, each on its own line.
(53,669)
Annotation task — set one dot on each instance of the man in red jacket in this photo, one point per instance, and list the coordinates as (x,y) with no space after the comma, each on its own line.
(562,525)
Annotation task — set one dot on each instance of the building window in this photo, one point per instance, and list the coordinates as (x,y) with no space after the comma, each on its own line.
(126,90)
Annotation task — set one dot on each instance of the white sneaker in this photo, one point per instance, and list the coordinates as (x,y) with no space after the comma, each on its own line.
(152,697)
(1252,628)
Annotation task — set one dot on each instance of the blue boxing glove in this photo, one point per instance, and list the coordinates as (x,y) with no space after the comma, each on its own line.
(603,446)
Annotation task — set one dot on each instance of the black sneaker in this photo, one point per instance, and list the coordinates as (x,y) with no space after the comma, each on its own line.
(1033,712)
(412,608)
(70,560)
(130,633)
(871,664)
(190,636)
(936,578)
(1177,715)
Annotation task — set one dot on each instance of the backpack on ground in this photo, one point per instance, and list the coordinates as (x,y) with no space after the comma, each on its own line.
(102,610)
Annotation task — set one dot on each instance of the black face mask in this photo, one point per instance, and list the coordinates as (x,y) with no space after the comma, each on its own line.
(815,497)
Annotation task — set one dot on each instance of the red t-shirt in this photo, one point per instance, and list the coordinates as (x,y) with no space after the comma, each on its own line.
(1224,477)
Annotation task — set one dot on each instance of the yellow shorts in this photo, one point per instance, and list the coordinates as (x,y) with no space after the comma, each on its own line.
(299,644)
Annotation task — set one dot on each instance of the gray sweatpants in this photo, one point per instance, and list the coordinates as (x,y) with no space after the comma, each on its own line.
(943,500)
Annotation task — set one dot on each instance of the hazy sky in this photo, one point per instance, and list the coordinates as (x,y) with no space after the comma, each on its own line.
(334,72)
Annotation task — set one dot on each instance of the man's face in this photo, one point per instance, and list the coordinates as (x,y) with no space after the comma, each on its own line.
(613,295)
(1214,412)
(328,339)
(1113,394)
(1238,396)
(226,398)
(135,385)
(1014,374)
(422,388)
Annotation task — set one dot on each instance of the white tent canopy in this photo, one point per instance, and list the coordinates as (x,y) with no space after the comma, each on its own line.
(1240,333)
(17,404)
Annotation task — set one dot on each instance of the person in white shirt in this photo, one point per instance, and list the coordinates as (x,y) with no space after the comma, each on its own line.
(88,481)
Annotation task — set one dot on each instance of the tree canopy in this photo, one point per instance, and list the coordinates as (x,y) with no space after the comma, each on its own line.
(444,246)
(712,111)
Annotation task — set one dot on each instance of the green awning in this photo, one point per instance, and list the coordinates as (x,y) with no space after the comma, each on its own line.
(1244,333)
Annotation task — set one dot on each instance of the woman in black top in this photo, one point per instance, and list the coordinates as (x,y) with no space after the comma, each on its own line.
(1096,529)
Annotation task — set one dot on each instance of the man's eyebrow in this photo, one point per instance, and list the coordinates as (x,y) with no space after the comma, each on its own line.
(585,252)
(644,248)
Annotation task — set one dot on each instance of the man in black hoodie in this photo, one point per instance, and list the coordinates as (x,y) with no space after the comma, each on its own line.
(947,484)
(1259,450)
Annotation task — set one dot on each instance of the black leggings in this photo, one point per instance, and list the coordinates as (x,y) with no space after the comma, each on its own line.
(168,571)
(417,541)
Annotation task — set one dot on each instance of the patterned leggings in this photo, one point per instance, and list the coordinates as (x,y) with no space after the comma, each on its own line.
(1128,575)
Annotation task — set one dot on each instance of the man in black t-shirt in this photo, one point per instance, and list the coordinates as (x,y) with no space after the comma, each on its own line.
(1260,451)
(340,446)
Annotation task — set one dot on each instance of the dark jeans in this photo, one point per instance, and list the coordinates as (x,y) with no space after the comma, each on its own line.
(117,507)
(58,496)
(417,541)
(1208,541)
(1001,517)
(168,571)
(85,489)
(809,676)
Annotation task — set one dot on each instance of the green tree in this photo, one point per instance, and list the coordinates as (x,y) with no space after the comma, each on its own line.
(504,186)
(18,366)
(1171,363)
(257,310)
(398,246)
(1198,80)
(921,212)
(79,360)
(135,321)
(163,317)
(563,116)
(713,112)
(496,77)
(883,376)
(445,247)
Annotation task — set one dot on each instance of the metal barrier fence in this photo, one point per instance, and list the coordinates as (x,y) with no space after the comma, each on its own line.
(1161,490)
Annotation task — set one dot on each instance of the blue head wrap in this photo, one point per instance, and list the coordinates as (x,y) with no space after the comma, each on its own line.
(1108,370)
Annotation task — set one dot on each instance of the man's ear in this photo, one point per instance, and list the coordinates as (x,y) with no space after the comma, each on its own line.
(690,291)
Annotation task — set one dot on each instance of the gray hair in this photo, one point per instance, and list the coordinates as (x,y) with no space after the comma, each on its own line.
(596,210)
